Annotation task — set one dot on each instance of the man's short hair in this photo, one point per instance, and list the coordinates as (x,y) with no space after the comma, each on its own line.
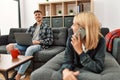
(36,11)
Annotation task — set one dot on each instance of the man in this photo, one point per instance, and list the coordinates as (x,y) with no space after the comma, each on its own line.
(42,38)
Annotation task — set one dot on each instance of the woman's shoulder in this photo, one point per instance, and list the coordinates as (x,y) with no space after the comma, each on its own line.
(102,41)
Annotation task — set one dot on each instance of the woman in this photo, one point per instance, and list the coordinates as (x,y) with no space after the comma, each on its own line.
(86,54)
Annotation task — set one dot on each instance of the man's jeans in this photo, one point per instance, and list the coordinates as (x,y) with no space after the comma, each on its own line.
(30,50)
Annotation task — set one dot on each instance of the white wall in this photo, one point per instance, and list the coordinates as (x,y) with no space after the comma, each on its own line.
(8,15)
(107,11)
(27,9)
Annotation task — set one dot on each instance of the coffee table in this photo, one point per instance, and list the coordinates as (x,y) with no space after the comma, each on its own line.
(7,63)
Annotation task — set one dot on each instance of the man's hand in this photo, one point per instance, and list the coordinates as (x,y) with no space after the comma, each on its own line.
(35,42)
(70,75)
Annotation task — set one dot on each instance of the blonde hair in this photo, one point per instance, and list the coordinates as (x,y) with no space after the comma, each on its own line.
(90,23)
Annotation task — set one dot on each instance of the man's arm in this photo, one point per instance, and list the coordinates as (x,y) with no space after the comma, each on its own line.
(49,37)
(96,64)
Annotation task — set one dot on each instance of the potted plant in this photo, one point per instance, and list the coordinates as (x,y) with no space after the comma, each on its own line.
(71,12)
(59,12)
(47,0)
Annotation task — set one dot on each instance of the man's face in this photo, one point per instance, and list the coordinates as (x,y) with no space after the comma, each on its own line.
(38,16)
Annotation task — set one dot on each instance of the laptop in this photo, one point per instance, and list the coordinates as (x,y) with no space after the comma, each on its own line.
(23,38)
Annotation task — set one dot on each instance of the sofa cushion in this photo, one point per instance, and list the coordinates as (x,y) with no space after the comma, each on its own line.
(41,57)
(47,54)
(3,40)
(111,76)
(11,38)
(110,64)
(111,69)
(49,68)
(60,36)
(3,49)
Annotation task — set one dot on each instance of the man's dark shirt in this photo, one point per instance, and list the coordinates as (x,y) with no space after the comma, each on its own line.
(45,34)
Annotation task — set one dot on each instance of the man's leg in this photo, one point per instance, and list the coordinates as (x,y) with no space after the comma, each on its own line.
(29,52)
(12,46)
(21,48)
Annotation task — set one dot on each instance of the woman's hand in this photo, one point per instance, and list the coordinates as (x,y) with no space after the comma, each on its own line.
(69,75)
(35,42)
(77,44)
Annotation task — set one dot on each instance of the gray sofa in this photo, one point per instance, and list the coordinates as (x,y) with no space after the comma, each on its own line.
(111,68)
(52,57)
(40,57)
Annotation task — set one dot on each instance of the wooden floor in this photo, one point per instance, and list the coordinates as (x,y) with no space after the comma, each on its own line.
(10,73)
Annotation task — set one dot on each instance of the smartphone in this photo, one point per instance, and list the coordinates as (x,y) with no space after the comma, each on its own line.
(81,32)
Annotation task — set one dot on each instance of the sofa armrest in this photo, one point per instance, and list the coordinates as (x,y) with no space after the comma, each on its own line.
(3,39)
(116,49)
